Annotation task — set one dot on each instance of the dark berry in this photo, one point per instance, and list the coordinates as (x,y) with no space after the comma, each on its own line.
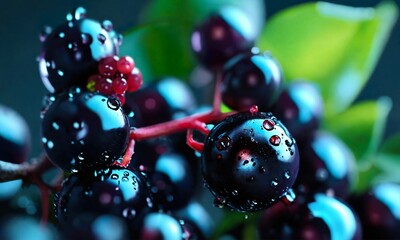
(327,165)
(244,164)
(300,108)
(316,217)
(251,79)
(222,36)
(84,130)
(71,52)
(15,138)
(117,192)
(378,210)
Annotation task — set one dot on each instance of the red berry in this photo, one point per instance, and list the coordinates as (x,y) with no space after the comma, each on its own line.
(108,66)
(120,85)
(125,65)
(134,80)
(121,98)
(104,85)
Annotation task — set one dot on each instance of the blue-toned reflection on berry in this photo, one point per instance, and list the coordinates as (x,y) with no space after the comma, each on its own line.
(310,217)
(9,189)
(14,136)
(249,167)
(161,226)
(72,51)
(84,130)
(379,211)
(327,164)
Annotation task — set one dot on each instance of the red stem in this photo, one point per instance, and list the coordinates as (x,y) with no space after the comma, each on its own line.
(195,145)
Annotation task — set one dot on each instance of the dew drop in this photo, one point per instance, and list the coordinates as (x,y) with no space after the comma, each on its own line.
(69,17)
(287,174)
(102,39)
(254,109)
(321,174)
(128,213)
(275,140)
(289,143)
(44,140)
(234,192)
(246,216)
(125,179)
(223,143)
(61,34)
(86,38)
(44,34)
(274,182)
(262,169)
(289,197)
(114,176)
(113,103)
(50,144)
(120,39)
(149,202)
(74,91)
(60,73)
(107,25)
(269,124)
(219,202)
(250,179)
(81,157)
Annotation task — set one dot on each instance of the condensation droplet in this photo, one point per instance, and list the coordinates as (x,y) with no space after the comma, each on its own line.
(254,109)
(86,38)
(107,25)
(61,34)
(234,192)
(79,13)
(50,144)
(269,124)
(275,140)
(274,182)
(223,143)
(287,174)
(289,143)
(250,179)
(114,176)
(219,202)
(321,174)
(262,169)
(113,103)
(128,213)
(289,197)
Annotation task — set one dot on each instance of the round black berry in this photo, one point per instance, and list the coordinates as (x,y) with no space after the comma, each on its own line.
(84,130)
(15,138)
(161,226)
(327,165)
(111,191)
(300,108)
(249,161)
(315,217)
(251,79)
(222,36)
(378,210)
(71,52)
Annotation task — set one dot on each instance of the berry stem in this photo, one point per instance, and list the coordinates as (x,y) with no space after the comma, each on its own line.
(130,150)
(195,145)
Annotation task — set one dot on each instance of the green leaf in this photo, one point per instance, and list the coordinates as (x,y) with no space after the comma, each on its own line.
(361,126)
(335,46)
(392,145)
(233,219)
(162,46)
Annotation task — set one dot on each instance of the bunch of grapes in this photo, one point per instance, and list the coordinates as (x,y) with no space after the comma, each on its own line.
(137,157)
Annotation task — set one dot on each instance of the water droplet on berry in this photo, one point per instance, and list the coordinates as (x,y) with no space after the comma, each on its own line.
(107,25)
(234,192)
(125,179)
(269,124)
(61,34)
(113,103)
(287,174)
(219,202)
(60,73)
(246,216)
(223,143)
(289,143)
(289,197)
(44,140)
(74,91)
(250,179)
(50,144)
(149,202)
(69,17)
(102,39)
(81,157)
(321,174)
(114,176)
(275,140)
(79,13)
(254,109)
(45,32)
(86,38)
(262,169)
(129,213)
(274,182)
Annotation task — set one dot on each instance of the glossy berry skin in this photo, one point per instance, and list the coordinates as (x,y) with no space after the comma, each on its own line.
(71,52)
(15,138)
(114,191)
(327,165)
(300,108)
(378,209)
(249,161)
(251,79)
(222,36)
(316,217)
(158,226)
(83,130)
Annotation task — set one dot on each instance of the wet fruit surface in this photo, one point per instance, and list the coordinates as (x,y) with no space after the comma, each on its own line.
(84,130)
(249,161)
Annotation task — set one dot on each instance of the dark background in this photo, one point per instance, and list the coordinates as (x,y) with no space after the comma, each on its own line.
(21,22)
